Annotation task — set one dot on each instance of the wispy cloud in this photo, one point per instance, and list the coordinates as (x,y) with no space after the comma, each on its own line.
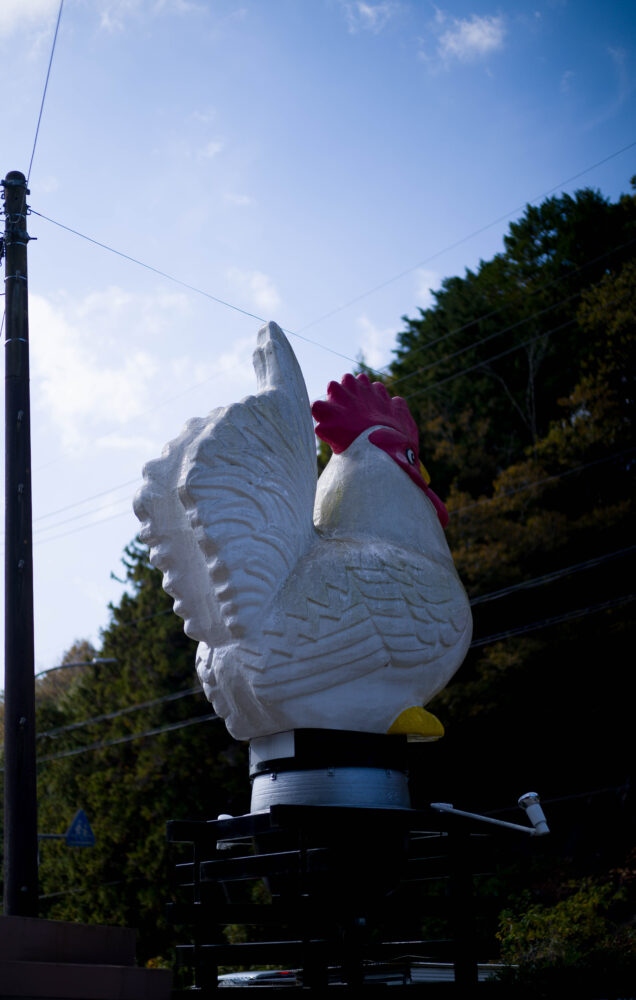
(471,38)
(212,149)
(257,287)
(566,81)
(624,87)
(375,343)
(619,59)
(426,281)
(241,200)
(467,39)
(204,117)
(114,14)
(372,17)
(16,15)
(89,386)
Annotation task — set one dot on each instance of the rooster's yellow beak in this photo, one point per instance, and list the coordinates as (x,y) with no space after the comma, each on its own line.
(425,475)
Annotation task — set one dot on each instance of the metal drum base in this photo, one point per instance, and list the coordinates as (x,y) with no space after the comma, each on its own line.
(364,787)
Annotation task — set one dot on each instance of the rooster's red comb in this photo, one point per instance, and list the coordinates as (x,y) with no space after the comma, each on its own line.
(355,404)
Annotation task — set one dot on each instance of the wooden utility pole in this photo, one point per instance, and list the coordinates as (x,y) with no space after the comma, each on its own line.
(20,801)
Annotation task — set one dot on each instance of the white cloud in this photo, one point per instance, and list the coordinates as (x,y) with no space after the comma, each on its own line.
(115,13)
(241,200)
(619,59)
(467,39)
(566,81)
(204,117)
(16,14)
(124,442)
(212,149)
(374,342)
(371,17)
(426,280)
(89,377)
(258,287)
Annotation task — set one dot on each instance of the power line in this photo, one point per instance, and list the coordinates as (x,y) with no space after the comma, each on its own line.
(476,232)
(82,527)
(555,620)
(494,595)
(459,510)
(106,717)
(299,334)
(46,84)
(193,288)
(487,361)
(496,357)
(490,336)
(94,496)
(497,637)
(546,479)
(550,577)
(495,312)
(87,513)
(394,382)
(104,744)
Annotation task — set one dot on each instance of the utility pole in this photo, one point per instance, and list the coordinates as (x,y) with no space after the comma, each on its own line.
(20,800)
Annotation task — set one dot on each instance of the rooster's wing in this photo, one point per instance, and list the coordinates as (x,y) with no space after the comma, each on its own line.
(242,492)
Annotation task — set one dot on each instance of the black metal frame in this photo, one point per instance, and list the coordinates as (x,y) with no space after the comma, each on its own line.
(335,875)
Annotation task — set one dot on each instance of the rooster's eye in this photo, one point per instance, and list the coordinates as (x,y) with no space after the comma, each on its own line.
(410,454)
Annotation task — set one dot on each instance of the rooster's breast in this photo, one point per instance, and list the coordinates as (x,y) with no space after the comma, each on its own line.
(371,625)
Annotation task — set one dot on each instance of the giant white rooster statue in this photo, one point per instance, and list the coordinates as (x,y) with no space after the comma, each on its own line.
(334,606)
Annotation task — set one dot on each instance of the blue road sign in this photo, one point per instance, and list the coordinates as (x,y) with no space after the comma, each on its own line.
(79,833)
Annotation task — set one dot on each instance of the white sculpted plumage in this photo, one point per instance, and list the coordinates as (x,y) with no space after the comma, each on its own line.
(339,615)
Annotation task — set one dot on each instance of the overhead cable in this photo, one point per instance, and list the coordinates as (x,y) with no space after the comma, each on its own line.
(104,744)
(491,336)
(494,357)
(540,482)
(193,288)
(556,574)
(495,312)
(46,84)
(465,239)
(555,620)
(106,717)
(94,496)
(486,640)
(494,595)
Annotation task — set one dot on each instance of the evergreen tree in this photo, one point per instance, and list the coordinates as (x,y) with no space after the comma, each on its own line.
(128,783)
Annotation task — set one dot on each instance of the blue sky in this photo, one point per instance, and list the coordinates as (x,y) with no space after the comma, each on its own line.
(288,157)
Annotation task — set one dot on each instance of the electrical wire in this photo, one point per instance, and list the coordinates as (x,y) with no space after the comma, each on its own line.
(94,496)
(495,312)
(83,527)
(494,595)
(483,599)
(46,84)
(490,336)
(460,510)
(104,744)
(486,640)
(299,334)
(87,513)
(194,288)
(546,479)
(550,577)
(465,239)
(555,620)
(106,717)
(403,378)
(494,357)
